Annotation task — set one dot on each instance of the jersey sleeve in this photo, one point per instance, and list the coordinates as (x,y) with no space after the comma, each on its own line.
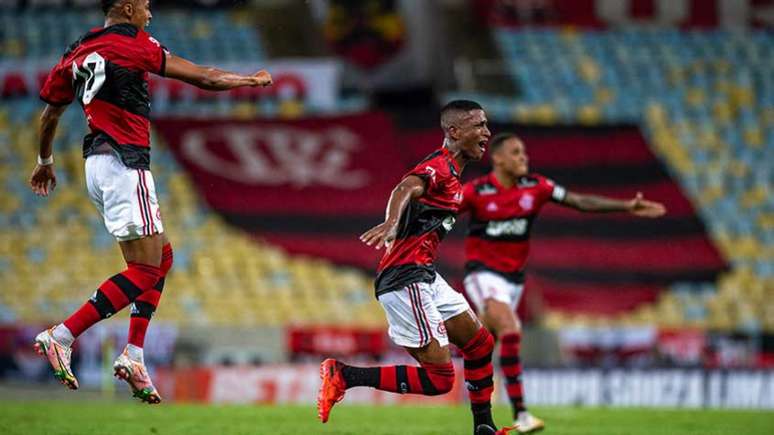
(58,87)
(153,55)
(428,172)
(552,191)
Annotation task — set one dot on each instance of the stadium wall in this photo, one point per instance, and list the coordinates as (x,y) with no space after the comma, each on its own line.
(656,388)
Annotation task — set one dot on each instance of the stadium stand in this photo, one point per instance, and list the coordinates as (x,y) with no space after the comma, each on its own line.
(207,36)
(224,278)
(705,99)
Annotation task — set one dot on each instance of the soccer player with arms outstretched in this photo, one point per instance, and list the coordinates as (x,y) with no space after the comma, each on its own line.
(107,71)
(425,314)
(503,205)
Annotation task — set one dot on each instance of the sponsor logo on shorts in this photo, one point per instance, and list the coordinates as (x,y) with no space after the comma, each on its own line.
(441,329)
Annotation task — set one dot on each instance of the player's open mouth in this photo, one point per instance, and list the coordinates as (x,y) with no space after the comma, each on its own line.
(482,145)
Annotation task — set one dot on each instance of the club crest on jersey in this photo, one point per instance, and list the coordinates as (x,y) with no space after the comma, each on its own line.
(458,197)
(526,202)
(492,206)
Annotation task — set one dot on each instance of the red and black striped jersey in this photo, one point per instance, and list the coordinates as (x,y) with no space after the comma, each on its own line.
(107,71)
(423,225)
(501,220)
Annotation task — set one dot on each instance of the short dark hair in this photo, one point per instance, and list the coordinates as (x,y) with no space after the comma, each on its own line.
(456,106)
(497,142)
(461,106)
(107,5)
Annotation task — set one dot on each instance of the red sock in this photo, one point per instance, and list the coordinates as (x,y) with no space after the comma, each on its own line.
(145,305)
(428,380)
(112,296)
(477,354)
(478,366)
(511,365)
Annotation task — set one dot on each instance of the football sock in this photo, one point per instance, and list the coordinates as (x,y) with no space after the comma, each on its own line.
(63,335)
(511,366)
(145,304)
(135,353)
(428,380)
(477,354)
(112,296)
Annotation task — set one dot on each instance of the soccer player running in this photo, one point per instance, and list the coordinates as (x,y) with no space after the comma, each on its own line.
(503,205)
(425,314)
(107,71)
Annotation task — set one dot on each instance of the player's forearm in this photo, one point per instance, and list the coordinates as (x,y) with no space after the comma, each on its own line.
(214,79)
(397,204)
(596,204)
(49,120)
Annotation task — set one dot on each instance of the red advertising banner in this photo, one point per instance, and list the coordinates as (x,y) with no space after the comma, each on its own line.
(278,384)
(318,166)
(336,341)
(313,185)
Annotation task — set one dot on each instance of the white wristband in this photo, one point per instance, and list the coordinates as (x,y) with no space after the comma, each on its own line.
(47,161)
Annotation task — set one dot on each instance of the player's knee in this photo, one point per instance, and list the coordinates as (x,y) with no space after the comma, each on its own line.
(480,346)
(488,343)
(142,275)
(167,259)
(441,376)
(507,328)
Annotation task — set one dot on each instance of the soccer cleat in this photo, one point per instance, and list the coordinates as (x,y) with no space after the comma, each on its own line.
(332,388)
(58,356)
(485,429)
(135,374)
(528,423)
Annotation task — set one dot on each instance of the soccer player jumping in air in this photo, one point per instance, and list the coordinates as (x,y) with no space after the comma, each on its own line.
(423,312)
(503,205)
(107,71)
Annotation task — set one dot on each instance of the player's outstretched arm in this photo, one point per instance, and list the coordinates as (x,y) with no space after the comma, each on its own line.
(210,78)
(43,178)
(384,234)
(637,206)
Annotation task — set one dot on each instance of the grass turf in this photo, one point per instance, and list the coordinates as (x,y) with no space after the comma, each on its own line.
(119,418)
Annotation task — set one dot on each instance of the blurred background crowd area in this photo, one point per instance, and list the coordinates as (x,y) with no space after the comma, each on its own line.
(264,191)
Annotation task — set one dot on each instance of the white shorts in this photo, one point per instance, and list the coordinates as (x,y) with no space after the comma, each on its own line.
(416,314)
(483,285)
(125,197)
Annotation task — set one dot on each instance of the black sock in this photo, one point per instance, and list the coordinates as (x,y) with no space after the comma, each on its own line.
(482,414)
(361,376)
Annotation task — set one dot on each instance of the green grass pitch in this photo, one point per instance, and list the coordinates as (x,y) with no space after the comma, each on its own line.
(119,418)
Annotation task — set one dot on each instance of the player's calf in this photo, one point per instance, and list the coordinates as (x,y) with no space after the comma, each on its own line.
(477,354)
(428,380)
